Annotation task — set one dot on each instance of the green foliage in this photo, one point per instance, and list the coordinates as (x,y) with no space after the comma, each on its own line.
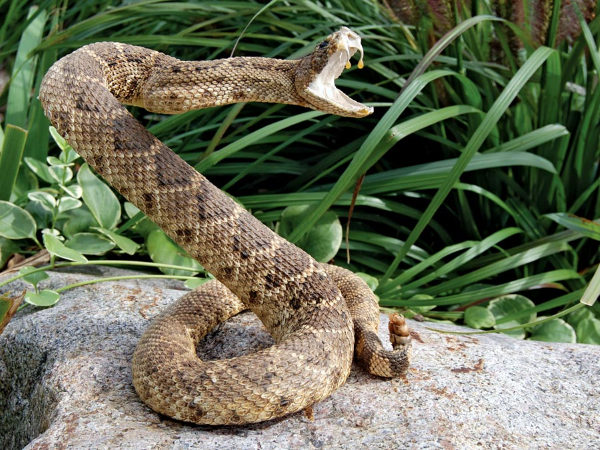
(193,283)
(16,223)
(371,281)
(99,198)
(44,297)
(163,250)
(13,146)
(582,226)
(33,276)
(509,305)
(323,239)
(587,326)
(56,248)
(7,249)
(479,317)
(556,330)
(481,166)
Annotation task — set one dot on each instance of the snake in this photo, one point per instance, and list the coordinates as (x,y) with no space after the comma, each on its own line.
(320,316)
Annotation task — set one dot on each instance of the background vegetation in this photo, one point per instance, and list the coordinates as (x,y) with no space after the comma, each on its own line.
(481,161)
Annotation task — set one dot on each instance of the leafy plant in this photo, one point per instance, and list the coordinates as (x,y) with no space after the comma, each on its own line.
(481,180)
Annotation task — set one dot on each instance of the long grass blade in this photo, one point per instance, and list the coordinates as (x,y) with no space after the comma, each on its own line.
(532,139)
(10,159)
(509,263)
(24,71)
(476,250)
(252,138)
(558,302)
(354,169)
(446,40)
(519,285)
(592,291)
(490,120)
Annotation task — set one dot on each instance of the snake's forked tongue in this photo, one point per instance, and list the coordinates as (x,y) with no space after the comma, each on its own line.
(345,43)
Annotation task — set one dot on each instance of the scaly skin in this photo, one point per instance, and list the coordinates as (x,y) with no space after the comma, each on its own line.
(298,300)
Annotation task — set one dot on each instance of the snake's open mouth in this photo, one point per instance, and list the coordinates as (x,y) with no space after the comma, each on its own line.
(344,44)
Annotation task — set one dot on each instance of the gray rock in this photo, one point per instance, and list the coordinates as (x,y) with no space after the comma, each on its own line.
(65,383)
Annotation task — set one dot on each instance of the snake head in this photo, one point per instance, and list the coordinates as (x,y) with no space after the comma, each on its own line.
(317,72)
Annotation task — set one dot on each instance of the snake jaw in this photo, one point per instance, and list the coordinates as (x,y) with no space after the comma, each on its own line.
(331,57)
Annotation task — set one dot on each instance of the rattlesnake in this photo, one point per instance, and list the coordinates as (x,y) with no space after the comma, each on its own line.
(297,299)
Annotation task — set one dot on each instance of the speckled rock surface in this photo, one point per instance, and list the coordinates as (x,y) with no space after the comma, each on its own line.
(65,383)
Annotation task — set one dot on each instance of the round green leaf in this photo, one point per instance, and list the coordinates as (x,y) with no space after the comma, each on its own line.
(54,161)
(33,278)
(42,298)
(68,155)
(555,330)
(68,203)
(39,168)
(323,240)
(163,250)
(193,283)
(90,244)
(62,174)
(130,209)
(479,317)
(99,198)
(518,334)
(57,248)
(510,304)
(79,220)
(44,198)
(60,141)
(577,316)
(588,331)
(124,243)
(74,190)
(371,281)
(15,222)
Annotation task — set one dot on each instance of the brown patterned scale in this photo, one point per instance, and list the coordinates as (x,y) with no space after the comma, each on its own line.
(314,311)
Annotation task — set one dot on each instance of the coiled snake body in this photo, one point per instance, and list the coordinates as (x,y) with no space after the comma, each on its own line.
(317,314)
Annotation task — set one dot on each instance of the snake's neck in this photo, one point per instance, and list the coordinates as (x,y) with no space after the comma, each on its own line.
(178,86)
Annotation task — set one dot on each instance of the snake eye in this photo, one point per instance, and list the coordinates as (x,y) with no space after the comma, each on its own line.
(323,44)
